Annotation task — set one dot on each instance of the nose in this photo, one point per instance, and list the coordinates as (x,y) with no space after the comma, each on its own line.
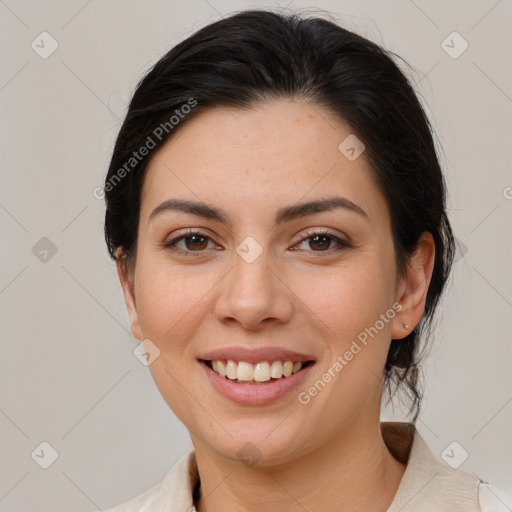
(254,295)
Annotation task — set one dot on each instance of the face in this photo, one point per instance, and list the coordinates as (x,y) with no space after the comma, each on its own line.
(287,256)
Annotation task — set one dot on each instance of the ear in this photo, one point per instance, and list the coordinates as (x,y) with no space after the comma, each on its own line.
(412,293)
(129,294)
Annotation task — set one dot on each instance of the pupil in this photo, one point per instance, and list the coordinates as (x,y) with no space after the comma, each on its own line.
(321,240)
(196,242)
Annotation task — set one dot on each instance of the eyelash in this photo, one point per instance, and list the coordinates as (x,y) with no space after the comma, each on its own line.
(341,244)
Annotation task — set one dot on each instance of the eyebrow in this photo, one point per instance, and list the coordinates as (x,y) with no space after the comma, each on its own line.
(285,214)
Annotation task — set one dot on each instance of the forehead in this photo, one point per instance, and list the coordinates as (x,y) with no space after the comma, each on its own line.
(277,152)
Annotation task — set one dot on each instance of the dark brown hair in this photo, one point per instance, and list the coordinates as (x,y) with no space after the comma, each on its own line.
(256,55)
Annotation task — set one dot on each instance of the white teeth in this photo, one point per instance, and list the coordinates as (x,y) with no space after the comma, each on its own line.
(276,370)
(287,368)
(245,371)
(221,368)
(231,368)
(261,372)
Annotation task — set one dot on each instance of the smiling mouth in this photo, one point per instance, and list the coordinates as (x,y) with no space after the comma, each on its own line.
(264,372)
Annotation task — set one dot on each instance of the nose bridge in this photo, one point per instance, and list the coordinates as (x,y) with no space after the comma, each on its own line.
(251,293)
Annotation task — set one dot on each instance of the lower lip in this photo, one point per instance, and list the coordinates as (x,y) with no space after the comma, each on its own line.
(255,394)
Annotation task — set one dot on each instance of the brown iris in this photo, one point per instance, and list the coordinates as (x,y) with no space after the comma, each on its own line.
(196,242)
(321,241)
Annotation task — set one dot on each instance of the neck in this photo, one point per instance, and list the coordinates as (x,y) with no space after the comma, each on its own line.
(354,471)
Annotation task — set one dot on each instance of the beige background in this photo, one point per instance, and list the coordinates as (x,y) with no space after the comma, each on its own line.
(68,373)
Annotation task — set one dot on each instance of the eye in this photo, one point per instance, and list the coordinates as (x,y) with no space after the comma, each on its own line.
(193,243)
(190,242)
(322,241)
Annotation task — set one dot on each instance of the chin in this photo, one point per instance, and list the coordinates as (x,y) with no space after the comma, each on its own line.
(260,447)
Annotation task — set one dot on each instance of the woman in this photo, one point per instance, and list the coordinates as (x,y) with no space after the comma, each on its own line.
(276,210)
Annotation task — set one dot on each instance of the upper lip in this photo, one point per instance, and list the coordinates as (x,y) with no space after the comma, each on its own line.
(255,355)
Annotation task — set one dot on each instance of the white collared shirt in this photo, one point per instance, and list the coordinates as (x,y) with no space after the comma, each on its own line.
(426,486)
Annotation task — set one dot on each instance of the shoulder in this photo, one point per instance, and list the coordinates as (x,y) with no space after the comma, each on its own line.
(431,485)
(141,503)
(492,499)
(173,493)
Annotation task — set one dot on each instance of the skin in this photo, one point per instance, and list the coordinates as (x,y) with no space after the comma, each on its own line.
(295,295)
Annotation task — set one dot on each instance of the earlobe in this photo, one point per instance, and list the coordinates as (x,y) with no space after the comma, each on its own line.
(129,294)
(413,292)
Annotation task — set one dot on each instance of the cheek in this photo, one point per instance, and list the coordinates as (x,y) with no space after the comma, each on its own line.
(172,305)
(170,302)
(347,305)
(349,298)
